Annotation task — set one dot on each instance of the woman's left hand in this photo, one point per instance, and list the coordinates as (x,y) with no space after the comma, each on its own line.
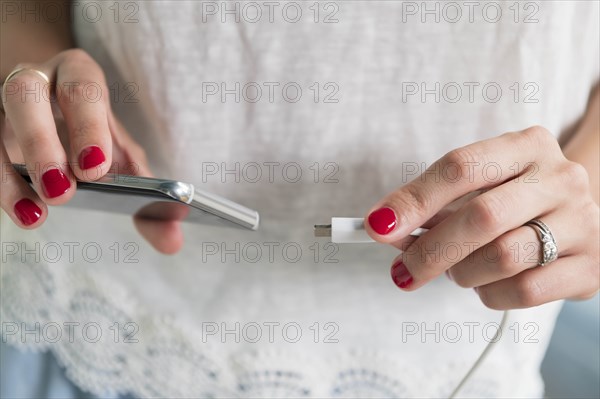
(485,243)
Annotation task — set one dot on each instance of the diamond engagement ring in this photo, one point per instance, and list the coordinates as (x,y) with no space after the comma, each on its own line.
(549,247)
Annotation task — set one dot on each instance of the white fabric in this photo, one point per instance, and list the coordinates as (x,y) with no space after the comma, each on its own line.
(371,134)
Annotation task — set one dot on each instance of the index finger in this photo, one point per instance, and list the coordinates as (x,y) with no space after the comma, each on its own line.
(478,166)
(82,97)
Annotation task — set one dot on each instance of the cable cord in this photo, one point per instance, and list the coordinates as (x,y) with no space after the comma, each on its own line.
(481,357)
(345,230)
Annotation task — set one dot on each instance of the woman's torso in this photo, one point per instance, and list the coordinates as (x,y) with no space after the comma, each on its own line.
(382,95)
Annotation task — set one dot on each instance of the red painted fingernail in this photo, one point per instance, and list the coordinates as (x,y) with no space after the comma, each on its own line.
(27,211)
(401,275)
(382,220)
(55,183)
(90,157)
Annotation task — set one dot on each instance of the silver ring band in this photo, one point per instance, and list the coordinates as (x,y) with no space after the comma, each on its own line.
(549,246)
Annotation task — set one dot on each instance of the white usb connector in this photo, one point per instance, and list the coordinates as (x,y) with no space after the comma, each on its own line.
(350,231)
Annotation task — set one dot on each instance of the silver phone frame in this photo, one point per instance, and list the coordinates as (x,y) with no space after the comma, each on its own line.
(128,194)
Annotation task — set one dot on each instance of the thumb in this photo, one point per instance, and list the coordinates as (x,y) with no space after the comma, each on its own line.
(165,236)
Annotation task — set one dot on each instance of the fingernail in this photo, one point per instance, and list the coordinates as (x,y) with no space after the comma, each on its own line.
(90,157)
(55,183)
(401,275)
(27,211)
(382,220)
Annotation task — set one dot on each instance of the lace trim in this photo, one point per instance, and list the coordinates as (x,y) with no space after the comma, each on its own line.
(168,361)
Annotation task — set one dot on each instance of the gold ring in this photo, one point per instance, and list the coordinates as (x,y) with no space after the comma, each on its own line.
(23,69)
(19,70)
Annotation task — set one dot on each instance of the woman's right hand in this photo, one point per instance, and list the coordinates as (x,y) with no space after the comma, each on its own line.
(75,137)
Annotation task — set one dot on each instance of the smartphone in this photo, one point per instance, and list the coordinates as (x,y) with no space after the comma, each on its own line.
(159,199)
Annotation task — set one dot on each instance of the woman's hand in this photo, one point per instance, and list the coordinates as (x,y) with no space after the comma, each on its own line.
(76,136)
(483,243)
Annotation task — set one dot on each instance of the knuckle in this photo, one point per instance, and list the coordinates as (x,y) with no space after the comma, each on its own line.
(486,214)
(460,156)
(430,260)
(538,135)
(488,299)
(528,292)
(85,129)
(593,230)
(421,262)
(33,141)
(80,91)
(417,199)
(586,296)
(505,262)
(591,209)
(77,55)
(409,200)
(576,176)
(78,61)
(460,279)
(540,138)
(512,136)
(465,160)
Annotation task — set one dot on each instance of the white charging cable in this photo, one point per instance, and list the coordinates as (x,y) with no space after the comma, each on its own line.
(482,356)
(352,231)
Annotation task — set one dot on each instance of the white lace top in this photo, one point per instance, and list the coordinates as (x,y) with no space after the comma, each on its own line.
(302,115)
